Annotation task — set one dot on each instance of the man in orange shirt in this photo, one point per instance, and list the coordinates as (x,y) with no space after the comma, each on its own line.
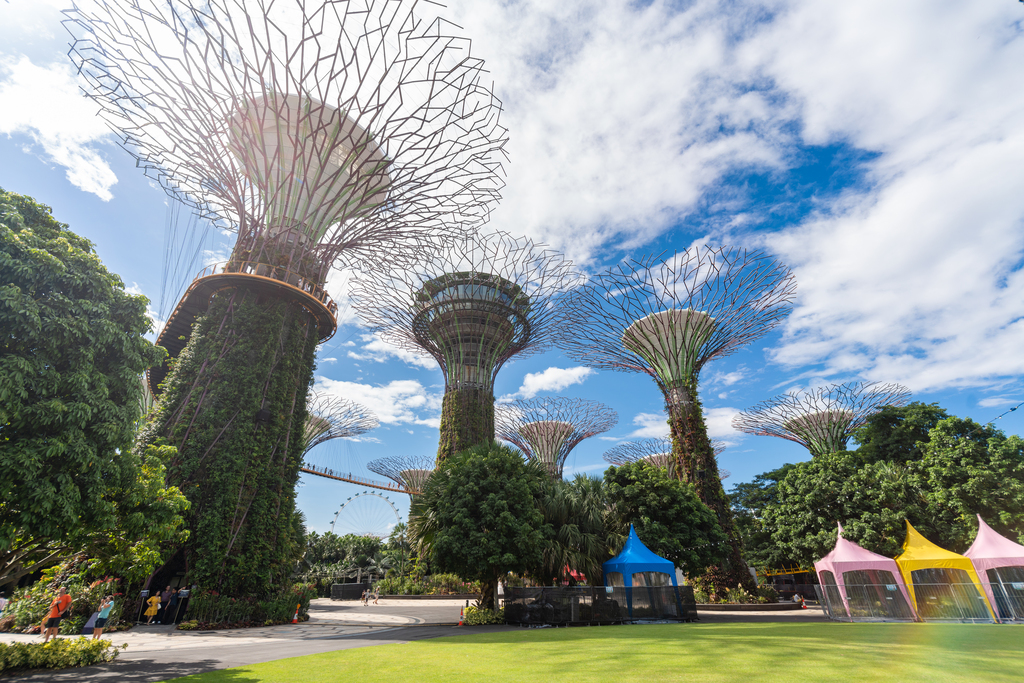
(58,608)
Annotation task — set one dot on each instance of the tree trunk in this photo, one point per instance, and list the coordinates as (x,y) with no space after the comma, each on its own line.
(489,593)
(234,405)
(694,461)
(467,419)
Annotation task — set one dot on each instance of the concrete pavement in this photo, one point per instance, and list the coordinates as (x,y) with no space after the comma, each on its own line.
(158,653)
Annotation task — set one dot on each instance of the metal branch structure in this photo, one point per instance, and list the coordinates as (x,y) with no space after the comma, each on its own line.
(316,129)
(822,420)
(332,417)
(547,429)
(668,317)
(657,451)
(472,307)
(410,472)
(325,133)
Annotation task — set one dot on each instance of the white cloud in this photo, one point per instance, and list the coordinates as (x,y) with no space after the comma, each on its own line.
(552,379)
(719,424)
(377,350)
(622,114)
(396,403)
(44,103)
(328,360)
(650,426)
(915,278)
(998,402)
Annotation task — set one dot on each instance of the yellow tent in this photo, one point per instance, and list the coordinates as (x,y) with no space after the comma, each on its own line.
(921,554)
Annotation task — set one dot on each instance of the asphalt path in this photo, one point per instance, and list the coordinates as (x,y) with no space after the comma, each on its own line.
(158,653)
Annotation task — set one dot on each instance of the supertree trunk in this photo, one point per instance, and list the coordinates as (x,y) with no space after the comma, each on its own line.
(235,407)
(696,463)
(467,419)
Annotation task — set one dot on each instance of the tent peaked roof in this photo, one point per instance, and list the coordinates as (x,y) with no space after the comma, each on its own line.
(636,553)
(848,551)
(990,545)
(918,548)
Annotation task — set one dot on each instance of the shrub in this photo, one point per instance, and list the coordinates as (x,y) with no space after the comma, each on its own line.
(190,625)
(59,653)
(740,595)
(476,616)
(211,610)
(767,594)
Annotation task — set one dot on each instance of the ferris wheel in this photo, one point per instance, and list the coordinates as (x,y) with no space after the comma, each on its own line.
(367,513)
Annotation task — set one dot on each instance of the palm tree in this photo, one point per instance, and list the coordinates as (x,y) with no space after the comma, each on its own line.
(578,541)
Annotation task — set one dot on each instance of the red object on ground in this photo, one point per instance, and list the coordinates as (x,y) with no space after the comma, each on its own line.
(295,619)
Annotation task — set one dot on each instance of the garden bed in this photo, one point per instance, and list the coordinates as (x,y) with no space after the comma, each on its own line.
(751,607)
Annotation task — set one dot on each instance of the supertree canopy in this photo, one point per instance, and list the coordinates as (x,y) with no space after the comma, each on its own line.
(316,129)
(332,417)
(669,317)
(547,429)
(657,451)
(410,472)
(822,419)
(472,307)
(326,133)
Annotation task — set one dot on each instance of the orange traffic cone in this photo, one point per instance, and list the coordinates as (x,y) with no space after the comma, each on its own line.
(295,619)
(462,613)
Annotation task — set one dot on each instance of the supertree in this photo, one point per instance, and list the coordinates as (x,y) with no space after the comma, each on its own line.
(332,417)
(657,451)
(547,429)
(667,318)
(822,419)
(325,133)
(411,472)
(472,307)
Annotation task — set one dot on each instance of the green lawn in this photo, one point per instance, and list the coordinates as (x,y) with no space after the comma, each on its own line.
(672,652)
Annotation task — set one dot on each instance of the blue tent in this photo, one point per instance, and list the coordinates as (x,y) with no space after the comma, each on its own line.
(635,558)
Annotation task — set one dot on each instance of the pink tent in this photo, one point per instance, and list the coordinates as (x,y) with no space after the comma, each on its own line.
(876,578)
(993,551)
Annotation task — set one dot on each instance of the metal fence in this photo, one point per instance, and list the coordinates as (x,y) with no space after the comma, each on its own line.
(943,602)
(563,606)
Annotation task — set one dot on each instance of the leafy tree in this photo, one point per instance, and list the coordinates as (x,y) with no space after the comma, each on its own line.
(896,433)
(667,515)
(71,355)
(965,469)
(749,500)
(576,538)
(485,521)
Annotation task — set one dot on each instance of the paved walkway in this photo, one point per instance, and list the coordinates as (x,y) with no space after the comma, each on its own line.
(158,653)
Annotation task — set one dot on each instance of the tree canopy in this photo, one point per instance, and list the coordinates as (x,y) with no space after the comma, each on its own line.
(965,469)
(71,356)
(667,515)
(484,516)
(895,433)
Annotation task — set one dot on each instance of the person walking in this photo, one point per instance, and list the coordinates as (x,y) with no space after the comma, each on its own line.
(376,594)
(171,611)
(101,620)
(363,597)
(154,607)
(165,600)
(59,606)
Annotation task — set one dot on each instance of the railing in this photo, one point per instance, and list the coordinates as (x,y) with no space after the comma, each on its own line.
(271,272)
(353,479)
(557,606)
(952,602)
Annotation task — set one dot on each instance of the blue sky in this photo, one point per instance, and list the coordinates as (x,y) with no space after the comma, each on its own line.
(875,147)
